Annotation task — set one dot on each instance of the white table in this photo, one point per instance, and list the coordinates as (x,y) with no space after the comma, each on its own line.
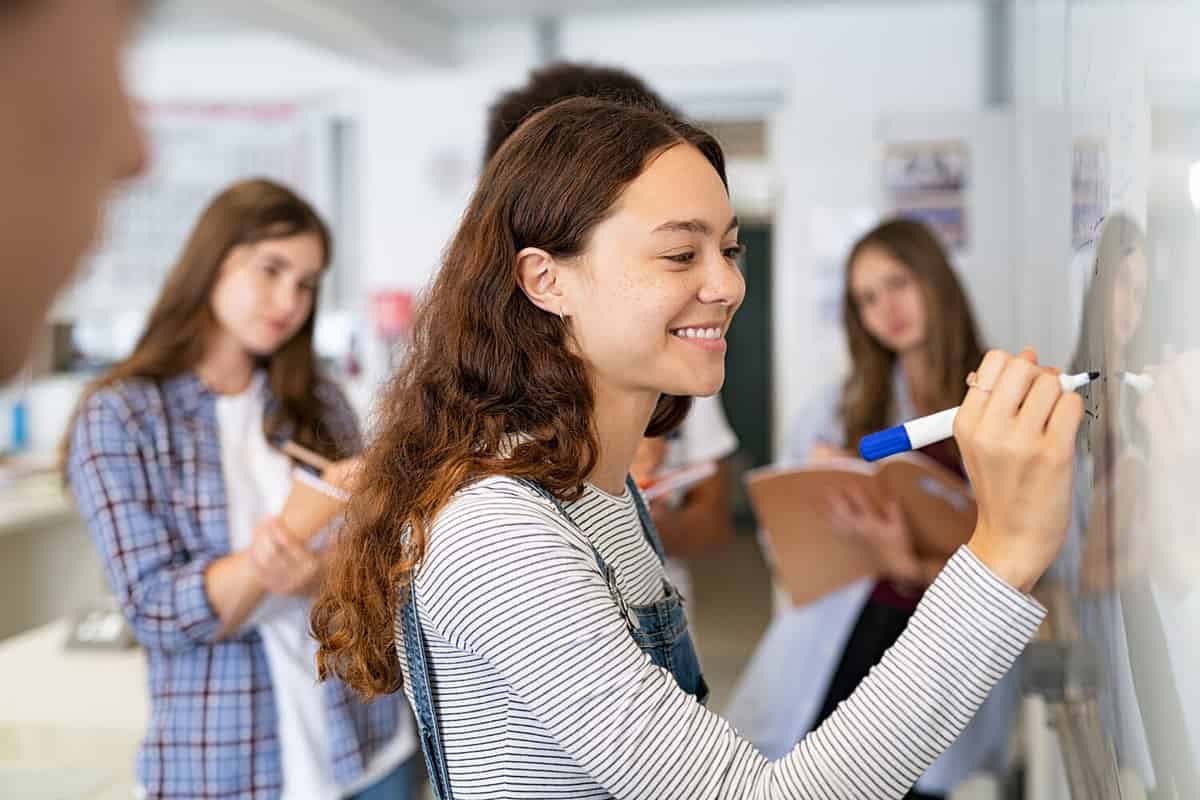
(70,720)
(48,565)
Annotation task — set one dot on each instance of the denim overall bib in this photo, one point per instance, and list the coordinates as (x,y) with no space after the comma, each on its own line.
(659,630)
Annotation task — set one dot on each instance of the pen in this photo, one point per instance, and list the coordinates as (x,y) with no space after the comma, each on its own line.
(924,431)
(306,456)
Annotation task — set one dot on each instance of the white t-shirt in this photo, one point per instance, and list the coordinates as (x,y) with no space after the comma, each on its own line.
(257,481)
(704,435)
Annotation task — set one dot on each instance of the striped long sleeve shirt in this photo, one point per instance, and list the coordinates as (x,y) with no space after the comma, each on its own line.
(541,693)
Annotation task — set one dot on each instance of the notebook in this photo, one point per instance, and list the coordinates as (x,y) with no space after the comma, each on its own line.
(810,559)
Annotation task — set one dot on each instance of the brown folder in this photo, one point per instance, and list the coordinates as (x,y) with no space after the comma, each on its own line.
(810,560)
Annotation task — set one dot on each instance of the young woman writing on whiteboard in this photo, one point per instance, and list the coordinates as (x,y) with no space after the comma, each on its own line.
(174,464)
(497,557)
(912,341)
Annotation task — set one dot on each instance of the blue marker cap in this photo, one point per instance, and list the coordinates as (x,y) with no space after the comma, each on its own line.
(885,443)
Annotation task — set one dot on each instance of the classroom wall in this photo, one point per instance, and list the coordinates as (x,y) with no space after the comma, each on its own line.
(823,74)
(417,134)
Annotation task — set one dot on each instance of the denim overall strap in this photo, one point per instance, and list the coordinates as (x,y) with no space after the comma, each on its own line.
(663,629)
(610,575)
(422,694)
(660,630)
(538,489)
(648,529)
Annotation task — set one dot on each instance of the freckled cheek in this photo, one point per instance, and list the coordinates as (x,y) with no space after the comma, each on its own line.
(655,318)
(667,301)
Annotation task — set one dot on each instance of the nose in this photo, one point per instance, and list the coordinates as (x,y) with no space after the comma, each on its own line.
(723,283)
(890,301)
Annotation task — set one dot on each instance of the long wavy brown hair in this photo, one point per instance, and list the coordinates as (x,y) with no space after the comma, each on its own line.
(952,342)
(485,364)
(177,330)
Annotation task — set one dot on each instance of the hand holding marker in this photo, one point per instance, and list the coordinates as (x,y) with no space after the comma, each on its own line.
(924,431)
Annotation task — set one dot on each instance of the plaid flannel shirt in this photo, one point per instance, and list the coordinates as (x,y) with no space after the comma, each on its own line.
(145,468)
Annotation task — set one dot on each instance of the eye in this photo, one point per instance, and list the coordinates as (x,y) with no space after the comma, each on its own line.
(734,252)
(682,258)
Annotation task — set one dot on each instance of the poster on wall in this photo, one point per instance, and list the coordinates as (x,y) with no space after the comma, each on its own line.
(928,181)
(1089,188)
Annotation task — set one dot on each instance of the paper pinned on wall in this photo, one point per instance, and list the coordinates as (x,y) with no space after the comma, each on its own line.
(928,181)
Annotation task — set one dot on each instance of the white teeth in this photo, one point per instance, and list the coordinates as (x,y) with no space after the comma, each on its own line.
(698,333)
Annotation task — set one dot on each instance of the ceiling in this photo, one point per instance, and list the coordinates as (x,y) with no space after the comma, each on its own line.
(500,9)
(398,34)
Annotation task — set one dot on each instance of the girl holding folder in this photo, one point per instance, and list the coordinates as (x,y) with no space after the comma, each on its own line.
(174,463)
(499,559)
(912,341)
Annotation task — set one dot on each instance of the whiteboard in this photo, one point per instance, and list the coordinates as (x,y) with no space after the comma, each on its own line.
(1108,282)
(196,151)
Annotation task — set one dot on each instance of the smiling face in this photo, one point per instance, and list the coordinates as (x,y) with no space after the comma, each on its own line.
(651,297)
(889,300)
(266,290)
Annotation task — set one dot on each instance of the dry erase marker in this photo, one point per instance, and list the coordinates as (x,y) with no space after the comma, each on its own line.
(1140,383)
(922,432)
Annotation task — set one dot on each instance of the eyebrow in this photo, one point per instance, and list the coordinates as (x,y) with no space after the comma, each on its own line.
(277,259)
(691,226)
(283,261)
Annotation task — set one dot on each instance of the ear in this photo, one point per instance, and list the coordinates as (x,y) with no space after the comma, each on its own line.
(538,274)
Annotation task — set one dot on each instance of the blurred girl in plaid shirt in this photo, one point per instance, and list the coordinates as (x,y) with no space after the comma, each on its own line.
(174,462)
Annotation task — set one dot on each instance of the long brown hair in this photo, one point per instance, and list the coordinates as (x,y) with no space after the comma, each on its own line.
(176,332)
(486,364)
(1097,348)
(952,342)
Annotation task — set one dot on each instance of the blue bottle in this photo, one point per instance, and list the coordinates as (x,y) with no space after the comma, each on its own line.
(19,438)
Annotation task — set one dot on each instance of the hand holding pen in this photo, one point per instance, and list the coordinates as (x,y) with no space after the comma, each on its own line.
(934,428)
(1016,431)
